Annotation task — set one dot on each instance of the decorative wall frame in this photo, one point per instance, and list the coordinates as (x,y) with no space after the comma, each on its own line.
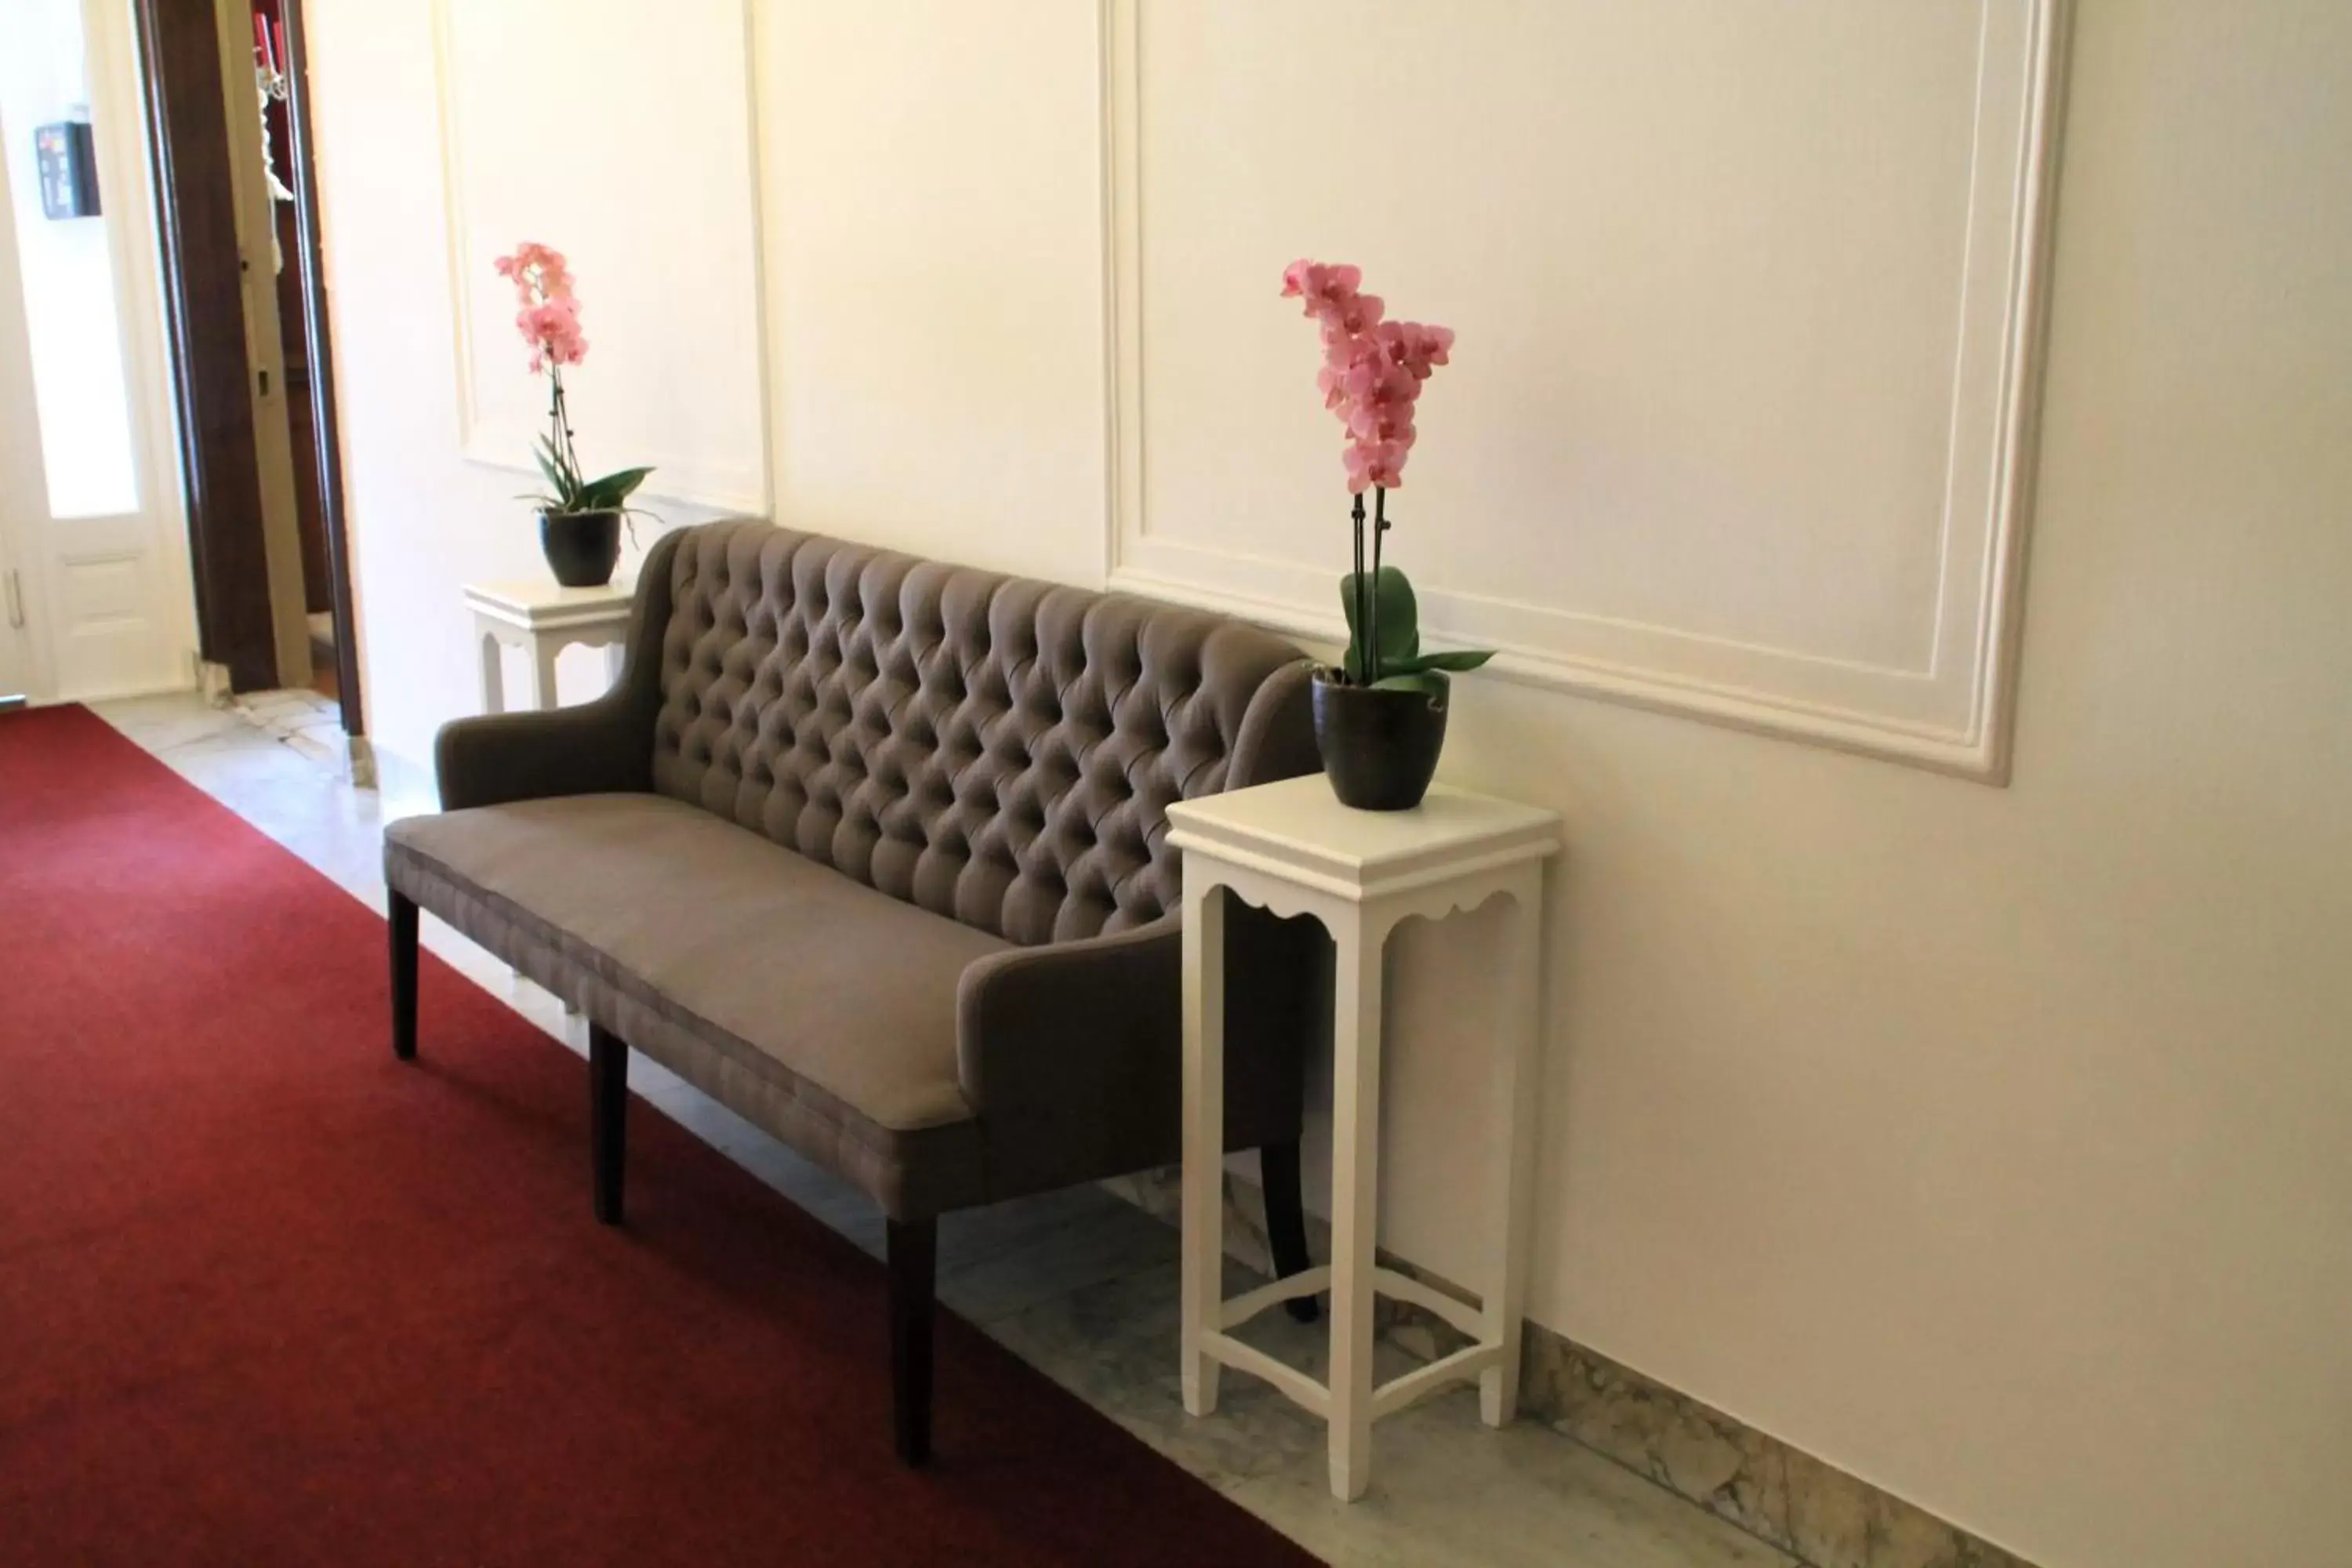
(740,478)
(1950,711)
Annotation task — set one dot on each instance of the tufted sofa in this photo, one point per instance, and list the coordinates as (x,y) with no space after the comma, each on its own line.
(872,850)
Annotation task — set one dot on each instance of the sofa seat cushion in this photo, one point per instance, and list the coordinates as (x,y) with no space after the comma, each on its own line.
(741,943)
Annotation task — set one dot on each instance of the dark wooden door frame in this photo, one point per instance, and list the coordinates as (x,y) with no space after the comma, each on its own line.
(322,365)
(188,131)
(196,211)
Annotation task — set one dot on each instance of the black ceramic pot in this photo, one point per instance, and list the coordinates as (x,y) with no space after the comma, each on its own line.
(1379,747)
(581,547)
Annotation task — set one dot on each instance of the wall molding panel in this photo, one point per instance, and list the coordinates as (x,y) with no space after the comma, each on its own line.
(1825,541)
(655,195)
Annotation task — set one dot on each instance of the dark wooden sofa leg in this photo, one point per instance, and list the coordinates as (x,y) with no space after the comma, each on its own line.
(914,1249)
(608,1118)
(403,920)
(1286,1220)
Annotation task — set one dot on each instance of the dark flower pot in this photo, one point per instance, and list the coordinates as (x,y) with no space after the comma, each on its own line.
(1379,747)
(581,547)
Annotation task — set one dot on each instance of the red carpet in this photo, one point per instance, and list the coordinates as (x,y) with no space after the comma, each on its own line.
(269,1297)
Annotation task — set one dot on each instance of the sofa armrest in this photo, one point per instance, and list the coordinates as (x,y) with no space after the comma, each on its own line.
(598,747)
(604,747)
(1035,1018)
(1072,1052)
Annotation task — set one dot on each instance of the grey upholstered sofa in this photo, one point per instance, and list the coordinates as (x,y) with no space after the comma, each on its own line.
(871,849)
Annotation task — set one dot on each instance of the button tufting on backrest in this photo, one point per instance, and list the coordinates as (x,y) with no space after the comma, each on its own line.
(992,749)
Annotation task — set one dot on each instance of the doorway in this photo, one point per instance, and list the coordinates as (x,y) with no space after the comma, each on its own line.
(92,575)
(227,116)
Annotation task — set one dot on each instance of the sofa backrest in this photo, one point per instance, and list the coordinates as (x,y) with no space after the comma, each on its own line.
(997,749)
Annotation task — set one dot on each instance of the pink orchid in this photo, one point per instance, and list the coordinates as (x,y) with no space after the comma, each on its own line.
(1415,347)
(552,330)
(1390,422)
(1373,367)
(1349,318)
(539,272)
(1379,463)
(1340,356)
(1380,381)
(1371,377)
(550,318)
(1318,285)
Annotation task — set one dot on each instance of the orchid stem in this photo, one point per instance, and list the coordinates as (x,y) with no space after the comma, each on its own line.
(567,458)
(1356,626)
(1380,526)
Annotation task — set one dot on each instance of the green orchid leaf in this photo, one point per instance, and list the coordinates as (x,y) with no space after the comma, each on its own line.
(609,492)
(1458,660)
(1395,614)
(1429,682)
(547,465)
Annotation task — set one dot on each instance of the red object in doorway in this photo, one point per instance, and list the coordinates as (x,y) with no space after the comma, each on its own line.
(269,1296)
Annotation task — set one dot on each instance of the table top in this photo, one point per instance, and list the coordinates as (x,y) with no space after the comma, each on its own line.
(539,603)
(1299,826)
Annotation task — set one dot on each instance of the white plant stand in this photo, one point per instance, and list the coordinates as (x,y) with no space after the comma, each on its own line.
(544,618)
(1293,848)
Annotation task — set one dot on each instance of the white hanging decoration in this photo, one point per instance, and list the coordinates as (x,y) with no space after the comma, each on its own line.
(270,85)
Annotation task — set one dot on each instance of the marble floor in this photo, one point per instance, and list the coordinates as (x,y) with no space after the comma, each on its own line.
(1080,1284)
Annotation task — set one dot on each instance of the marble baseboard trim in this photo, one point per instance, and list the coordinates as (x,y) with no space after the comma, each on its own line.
(1783,1496)
(1780,1494)
(404,785)
(359,762)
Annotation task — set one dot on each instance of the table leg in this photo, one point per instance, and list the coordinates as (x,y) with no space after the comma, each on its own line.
(616,654)
(1204,1137)
(494,674)
(542,673)
(1355,1191)
(1518,1065)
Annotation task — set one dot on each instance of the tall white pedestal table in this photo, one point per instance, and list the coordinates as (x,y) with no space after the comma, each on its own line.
(544,618)
(1293,848)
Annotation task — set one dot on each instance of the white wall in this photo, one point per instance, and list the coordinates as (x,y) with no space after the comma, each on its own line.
(652,203)
(1746,292)
(936,276)
(422,519)
(1994,1144)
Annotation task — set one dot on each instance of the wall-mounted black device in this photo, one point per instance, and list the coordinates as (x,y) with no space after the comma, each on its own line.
(68,169)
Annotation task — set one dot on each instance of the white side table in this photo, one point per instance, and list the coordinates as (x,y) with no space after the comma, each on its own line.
(544,618)
(1293,848)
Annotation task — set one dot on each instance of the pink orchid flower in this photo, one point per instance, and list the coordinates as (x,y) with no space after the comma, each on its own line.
(1372,368)
(552,330)
(1318,285)
(549,319)
(539,272)
(1378,463)
(1415,347)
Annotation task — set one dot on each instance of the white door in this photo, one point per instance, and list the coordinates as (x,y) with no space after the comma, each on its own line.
(90,529)
(24,484)
(24,487)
